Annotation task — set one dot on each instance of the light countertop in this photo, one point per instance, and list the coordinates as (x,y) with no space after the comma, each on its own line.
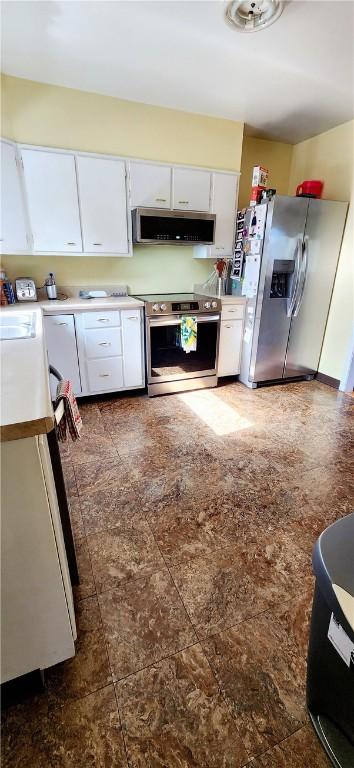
(26,406)
(75,304)
(25,395)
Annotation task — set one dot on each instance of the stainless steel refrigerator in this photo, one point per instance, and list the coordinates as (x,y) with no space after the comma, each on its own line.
(291,247)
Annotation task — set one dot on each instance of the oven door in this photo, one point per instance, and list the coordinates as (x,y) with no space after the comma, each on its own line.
(167,361)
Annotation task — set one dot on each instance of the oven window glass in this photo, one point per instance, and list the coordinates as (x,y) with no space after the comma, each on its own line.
(179,229)
(169,359)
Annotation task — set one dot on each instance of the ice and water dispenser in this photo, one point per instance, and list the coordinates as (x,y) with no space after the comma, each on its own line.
(282,279)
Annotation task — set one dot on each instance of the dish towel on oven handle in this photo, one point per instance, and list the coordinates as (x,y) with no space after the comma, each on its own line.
(71,418)
(189,333)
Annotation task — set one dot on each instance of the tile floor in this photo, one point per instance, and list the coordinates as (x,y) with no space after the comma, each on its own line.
(194,518)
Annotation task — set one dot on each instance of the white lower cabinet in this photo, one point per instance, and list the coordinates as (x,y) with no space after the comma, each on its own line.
(230,347)
(109,350)
(62,350)
(133,363)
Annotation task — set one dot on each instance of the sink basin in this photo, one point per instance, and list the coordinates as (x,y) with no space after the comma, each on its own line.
(21,325)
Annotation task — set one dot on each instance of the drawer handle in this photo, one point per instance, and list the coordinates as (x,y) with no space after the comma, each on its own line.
(228,326)
(96,243)
(183,202)
(160,199)
(231,310)
(104,344)
(133,318)
(60,323)
(104,375)
(103,319)
(71,243)
(219,248)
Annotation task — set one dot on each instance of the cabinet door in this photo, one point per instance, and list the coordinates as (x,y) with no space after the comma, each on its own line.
(150,185)
(103,205)
(50,180)
(190,190)
(224,205)
(230,347)
(62,351)
(132,348)
(13,221)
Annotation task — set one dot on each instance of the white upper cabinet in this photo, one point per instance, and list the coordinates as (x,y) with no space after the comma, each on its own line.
(50,179)
(103,204)
(224,205)
(13,236)
(150,185)
(190,189)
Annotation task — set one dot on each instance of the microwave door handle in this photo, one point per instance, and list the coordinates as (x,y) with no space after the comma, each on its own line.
(292,299)
(305,262)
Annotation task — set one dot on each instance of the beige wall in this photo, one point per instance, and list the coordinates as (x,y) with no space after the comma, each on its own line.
(330,157)
(48,115)
(274,155)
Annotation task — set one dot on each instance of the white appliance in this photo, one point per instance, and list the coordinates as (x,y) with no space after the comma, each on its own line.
(37,609)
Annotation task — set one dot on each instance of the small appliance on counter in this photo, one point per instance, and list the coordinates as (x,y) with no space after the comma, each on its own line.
(25,289)
(51,286)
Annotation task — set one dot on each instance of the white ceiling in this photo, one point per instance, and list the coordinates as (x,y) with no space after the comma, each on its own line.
(287,82)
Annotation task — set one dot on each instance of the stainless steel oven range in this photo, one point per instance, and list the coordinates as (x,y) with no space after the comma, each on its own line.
(169,367)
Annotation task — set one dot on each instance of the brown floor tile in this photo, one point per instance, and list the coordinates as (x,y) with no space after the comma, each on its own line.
(109,507)
(123,553)
(300,750)
(81,734)
(241,581)
(89,669)
(86,586)
(232,498)
(262,675)
(76,517)
(173,715)
(94,448)
(144,621)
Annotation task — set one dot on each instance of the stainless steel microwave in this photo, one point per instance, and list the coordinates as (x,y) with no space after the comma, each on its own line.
(158,226)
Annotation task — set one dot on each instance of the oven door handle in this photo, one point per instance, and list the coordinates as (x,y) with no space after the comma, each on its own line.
(154,322)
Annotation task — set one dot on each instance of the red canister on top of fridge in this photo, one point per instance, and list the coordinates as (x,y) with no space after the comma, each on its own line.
(310,188)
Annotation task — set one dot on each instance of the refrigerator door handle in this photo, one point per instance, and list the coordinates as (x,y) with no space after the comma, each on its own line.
(304,268)
(292,299)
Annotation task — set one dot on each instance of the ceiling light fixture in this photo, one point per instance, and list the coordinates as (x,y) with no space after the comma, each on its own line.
(253,15)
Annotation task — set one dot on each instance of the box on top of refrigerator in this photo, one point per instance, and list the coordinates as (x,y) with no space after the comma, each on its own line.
(259,176)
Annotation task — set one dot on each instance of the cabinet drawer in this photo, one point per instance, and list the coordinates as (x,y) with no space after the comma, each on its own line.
(232,312)
(105,375)
(101,319)
(103,342)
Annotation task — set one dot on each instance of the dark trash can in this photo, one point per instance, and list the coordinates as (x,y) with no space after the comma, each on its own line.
(330,670)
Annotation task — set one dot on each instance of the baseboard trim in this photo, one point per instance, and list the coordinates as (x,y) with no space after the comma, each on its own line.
(329,380)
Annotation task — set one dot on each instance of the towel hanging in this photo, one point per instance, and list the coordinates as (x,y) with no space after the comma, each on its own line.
(189,333)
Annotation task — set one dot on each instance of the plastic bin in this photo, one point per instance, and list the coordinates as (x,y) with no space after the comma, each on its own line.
(330,671)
